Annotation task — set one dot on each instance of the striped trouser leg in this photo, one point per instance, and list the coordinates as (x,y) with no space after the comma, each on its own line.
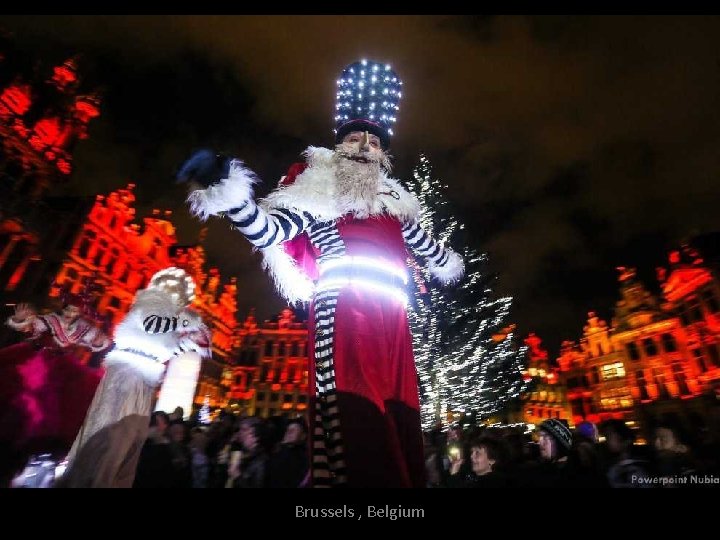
(328,453)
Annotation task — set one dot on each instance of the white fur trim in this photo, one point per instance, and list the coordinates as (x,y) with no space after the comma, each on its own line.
(226,194)
(452,271)
(314,191)
(291,282)
(130,334)
(148,369)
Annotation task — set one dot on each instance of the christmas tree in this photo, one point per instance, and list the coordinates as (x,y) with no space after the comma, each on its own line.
(467,360)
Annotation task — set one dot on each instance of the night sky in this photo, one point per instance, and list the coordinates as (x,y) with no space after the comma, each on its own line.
(570,145)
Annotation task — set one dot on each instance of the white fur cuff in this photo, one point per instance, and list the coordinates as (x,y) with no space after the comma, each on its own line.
(452,271)
(229,193)
(291,281)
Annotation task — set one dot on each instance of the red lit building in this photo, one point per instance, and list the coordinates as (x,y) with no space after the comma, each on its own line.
(657,358)
(44,112)
(271,377)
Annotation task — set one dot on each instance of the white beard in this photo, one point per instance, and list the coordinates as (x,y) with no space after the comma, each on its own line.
(357,182)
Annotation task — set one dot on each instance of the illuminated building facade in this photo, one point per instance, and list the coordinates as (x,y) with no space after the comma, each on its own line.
(271,375)
(657,357)
(43,114)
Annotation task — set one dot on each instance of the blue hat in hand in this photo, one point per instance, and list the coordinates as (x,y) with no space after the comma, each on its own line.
(204,167)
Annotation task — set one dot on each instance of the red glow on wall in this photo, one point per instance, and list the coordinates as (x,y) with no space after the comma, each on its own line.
(86,109)
(49,132)
(15,100)
(64,166)
(65,74)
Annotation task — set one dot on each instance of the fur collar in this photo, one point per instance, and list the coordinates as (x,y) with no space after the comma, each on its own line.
(314,191)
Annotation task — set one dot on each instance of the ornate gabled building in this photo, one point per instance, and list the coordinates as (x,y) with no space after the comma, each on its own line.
(271,375)
(692,290)
(43,114)
(657,357)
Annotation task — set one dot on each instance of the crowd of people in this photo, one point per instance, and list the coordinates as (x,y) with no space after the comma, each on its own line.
(611,455)
(251,452)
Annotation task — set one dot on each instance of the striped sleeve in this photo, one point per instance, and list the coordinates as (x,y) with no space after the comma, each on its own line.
(156,324)
(443,263)
(264,229)
(422,244)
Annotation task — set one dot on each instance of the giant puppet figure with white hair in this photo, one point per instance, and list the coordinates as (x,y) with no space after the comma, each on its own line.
(159,326)
(337,234)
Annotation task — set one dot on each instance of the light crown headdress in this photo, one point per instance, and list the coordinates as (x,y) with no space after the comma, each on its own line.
(368,94)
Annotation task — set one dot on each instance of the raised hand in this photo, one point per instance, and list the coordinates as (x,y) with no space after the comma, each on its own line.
(204,168)
(23,312)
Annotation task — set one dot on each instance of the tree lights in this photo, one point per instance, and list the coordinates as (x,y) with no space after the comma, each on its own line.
(463,366)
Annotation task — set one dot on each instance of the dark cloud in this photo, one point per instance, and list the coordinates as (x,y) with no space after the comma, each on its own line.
(570,145)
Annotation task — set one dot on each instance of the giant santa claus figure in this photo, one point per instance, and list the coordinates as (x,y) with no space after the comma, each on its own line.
(337,234)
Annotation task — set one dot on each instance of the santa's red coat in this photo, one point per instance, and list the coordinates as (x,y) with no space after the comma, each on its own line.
(375,375)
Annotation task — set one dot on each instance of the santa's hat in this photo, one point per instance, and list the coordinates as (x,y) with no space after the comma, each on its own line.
(367,99)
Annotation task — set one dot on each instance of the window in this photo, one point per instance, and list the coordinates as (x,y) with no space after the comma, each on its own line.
(680,379)
(99,254)
(692,311)
(616,398)
(650,347)
(642,385)
(669,343)
(633,351)
(576,406)
(264,371)
(84,248)
(260,396)
(295,349)
(697,353)
(287,398)
(659,377)
(612,371)
(281,348)
(268,348)
(710,301)
(273,397)
(114,302)
(713,354)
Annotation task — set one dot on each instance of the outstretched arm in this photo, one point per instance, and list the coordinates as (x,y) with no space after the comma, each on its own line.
(233,196)
(444,263)
(265,229)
